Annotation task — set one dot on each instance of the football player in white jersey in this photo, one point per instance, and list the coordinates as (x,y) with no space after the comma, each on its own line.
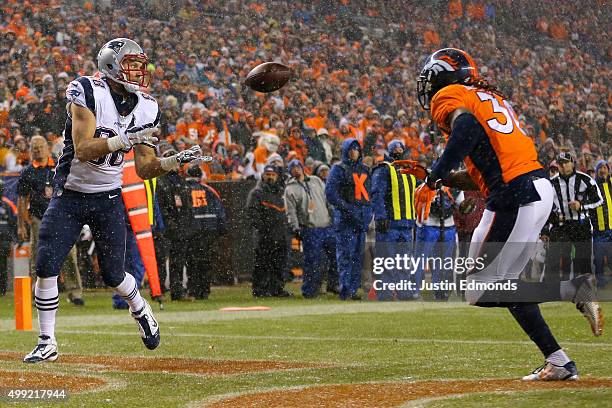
(108,114)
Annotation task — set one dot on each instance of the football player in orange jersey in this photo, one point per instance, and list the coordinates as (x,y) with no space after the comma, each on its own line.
(484,133)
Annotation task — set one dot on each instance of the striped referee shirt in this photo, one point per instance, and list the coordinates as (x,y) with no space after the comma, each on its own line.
(577,187)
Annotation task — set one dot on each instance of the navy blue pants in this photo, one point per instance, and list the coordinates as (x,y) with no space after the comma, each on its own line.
(388,245)
(331,265)
(602,248)
(132,265)
(312,243)
(350,250)
(440,244)
(61,226)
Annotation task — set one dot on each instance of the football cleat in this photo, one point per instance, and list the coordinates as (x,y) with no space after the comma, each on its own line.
(551,372)
(586,302)
(45,350)
(149,329)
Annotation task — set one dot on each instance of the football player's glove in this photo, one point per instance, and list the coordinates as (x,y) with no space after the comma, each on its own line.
(423,196)
(194,153)
(142,135)
(191,155)
(412,167)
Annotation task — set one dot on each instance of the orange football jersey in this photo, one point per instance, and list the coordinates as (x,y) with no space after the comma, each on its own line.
(508,143)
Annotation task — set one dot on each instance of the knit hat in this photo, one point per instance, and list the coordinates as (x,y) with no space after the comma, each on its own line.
(273,158)
(270,168)
(294,163)
(601,163)
(320,168)
(194,171)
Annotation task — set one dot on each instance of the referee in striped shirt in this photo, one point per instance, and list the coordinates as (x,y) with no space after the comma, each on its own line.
(576,196)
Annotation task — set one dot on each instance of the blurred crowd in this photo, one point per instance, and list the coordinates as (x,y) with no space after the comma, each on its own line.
(355,66)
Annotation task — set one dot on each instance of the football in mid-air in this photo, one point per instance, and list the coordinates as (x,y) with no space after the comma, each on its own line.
(268,77)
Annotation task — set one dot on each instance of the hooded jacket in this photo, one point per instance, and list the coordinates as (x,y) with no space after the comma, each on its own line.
(351,201)
(306,204)
(381,193)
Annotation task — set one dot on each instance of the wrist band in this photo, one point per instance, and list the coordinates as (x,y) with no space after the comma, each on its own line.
(169,163)
(115,143)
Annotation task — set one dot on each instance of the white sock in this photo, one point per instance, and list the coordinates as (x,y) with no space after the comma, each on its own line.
(46,298)
(128,290)
(558,358)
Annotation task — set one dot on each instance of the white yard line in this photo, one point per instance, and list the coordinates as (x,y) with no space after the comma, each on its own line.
(329,338)
(202,316)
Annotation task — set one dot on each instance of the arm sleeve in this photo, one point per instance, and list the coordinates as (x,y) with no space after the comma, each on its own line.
(23,184)
(80,92)
(556,207)
(380,185)
(252,208)
(291,206)
(463,139)
(460,198)
(593,195)
(332,189)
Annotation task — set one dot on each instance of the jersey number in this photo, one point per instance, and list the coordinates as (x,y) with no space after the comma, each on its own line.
(505,110)
(111,159)
(198,198)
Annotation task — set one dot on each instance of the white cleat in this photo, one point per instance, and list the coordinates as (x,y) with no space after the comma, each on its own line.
(586,302)
(149,329)
(551,372)
(45,350)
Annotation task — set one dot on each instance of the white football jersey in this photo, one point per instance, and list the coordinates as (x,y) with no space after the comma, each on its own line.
(106,172)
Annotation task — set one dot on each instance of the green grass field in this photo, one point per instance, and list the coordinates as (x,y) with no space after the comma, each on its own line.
(355,342)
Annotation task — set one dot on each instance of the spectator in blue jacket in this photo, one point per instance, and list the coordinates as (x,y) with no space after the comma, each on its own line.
(393,203)
(348,190)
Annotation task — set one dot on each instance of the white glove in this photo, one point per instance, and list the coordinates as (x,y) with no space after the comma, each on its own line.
(134,136)
(193,154)
(142,135)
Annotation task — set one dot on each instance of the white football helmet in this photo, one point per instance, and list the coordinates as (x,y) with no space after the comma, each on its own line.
(123,60)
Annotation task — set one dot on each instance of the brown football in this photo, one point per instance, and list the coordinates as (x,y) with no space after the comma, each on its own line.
(268,77)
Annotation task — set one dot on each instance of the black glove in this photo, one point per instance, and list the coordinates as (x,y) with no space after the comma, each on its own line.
(382,226)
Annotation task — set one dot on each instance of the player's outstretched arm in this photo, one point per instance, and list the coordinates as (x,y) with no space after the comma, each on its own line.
(149,166)
(83,128)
